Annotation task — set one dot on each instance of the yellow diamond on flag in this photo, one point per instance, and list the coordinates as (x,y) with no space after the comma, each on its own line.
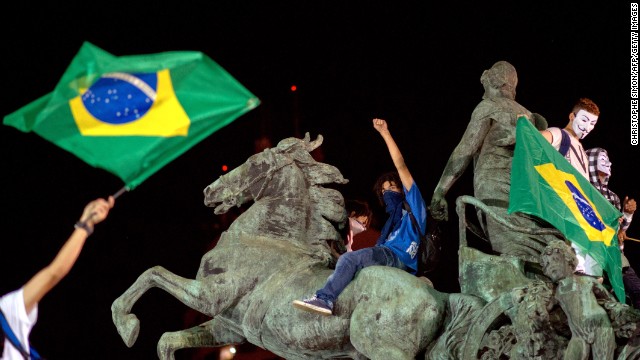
(122,104)
(568,189)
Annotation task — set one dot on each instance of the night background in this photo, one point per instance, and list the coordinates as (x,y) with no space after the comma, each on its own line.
(416,65)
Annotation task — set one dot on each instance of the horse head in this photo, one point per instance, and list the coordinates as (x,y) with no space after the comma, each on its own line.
(241,184)
(288,183)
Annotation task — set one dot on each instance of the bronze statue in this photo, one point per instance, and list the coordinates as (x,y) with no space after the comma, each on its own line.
(489,142)
(276,251)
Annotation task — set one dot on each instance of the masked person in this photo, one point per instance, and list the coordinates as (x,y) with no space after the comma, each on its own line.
(359,218)
(599,175)
(359,215)
(399,240)
(582,119)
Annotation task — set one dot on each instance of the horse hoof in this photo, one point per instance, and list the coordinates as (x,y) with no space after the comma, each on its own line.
(129,328)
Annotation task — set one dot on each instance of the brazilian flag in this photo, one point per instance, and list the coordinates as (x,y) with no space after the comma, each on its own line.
(131,115)
(546,185)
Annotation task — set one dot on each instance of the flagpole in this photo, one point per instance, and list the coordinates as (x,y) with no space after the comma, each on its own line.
(120,192)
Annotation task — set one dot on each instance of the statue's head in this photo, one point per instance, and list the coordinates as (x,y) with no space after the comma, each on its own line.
(558,260)
(500,81)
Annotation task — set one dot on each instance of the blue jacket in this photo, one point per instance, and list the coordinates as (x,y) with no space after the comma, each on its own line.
(405,240)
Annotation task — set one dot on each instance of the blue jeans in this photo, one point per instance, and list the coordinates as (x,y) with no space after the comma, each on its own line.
(350,263)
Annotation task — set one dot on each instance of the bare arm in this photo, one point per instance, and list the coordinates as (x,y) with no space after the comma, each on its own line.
(547,135)
(394,151)
(41,283)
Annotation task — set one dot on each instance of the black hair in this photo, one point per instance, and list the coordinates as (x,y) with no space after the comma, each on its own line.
(358,208)
(391,176)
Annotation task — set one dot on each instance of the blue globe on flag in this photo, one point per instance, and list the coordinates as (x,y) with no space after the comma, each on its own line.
(121,98)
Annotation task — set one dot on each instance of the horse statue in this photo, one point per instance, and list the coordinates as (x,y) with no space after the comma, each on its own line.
(275,252)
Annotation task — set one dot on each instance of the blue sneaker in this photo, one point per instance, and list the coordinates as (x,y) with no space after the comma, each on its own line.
(315,305)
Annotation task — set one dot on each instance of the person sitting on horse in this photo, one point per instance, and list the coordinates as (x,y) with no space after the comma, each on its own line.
(399,240)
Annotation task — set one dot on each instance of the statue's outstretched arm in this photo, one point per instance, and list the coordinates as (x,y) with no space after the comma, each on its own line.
(460,158)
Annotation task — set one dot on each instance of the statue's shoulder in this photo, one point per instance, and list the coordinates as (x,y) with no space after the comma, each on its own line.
(490,107)
(484,109)
(498,109)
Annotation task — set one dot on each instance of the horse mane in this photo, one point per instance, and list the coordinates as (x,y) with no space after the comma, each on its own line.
(327,205)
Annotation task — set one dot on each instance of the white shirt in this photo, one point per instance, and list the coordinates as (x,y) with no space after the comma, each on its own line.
(12,305)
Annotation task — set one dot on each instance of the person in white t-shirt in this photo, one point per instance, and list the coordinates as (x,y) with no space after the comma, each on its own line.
(20,307)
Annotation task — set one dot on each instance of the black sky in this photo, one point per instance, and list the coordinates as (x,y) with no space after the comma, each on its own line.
(415,63)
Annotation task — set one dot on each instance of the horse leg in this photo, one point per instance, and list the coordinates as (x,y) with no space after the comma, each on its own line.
(208,334)
(190,292)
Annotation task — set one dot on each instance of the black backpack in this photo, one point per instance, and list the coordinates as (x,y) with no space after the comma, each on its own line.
(430,244)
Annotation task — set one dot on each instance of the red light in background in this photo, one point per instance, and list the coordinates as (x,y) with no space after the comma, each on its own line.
(293,88)
(225,168)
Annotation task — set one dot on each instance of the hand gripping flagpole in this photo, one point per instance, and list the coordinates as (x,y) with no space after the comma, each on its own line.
(83,224)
